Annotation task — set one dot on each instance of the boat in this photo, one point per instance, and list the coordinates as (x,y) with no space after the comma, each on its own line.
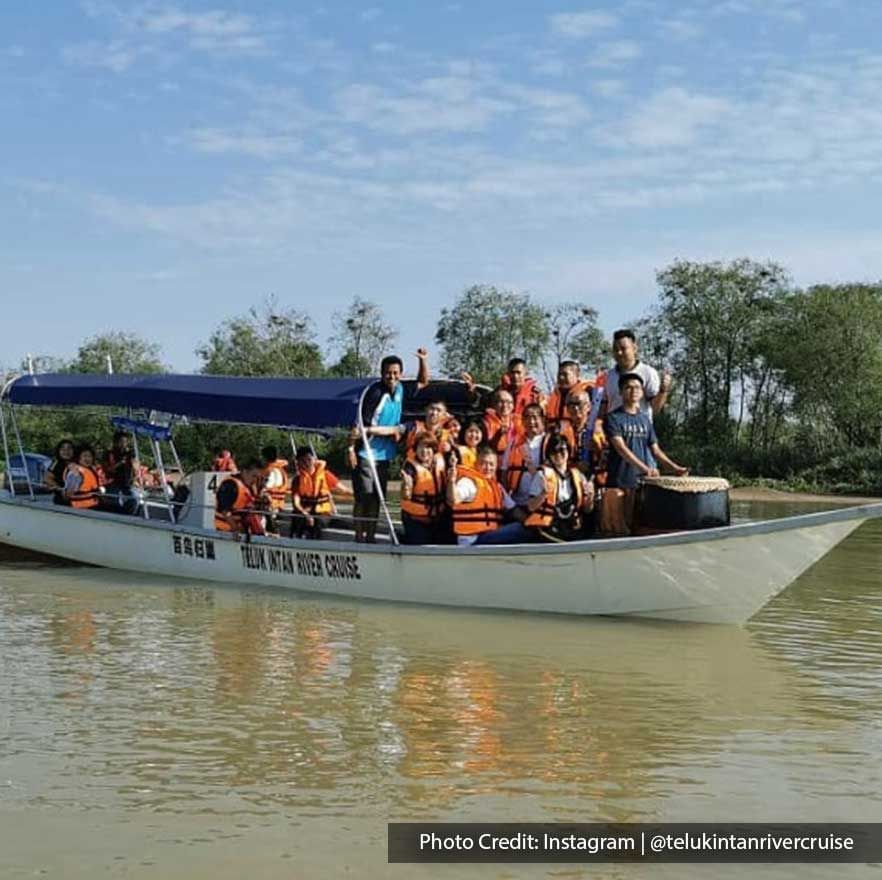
(715,575)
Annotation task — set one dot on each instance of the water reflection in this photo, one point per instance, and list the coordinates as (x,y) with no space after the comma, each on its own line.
(133,693)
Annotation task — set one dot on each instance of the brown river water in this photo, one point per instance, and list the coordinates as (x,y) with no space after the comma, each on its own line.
(158,728)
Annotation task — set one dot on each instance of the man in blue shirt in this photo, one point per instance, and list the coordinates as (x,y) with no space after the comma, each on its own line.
(634,450)
(634,453)
(381,414)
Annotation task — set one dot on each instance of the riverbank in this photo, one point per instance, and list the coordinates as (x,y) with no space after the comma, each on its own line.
(763,493)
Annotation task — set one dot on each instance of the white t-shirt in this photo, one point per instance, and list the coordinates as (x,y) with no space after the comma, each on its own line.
(526,486)
(466,491)
(651,387)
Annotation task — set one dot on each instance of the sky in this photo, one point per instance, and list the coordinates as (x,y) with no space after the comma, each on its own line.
(164,166)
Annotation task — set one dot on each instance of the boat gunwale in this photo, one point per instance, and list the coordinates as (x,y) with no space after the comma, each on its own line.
(587,547)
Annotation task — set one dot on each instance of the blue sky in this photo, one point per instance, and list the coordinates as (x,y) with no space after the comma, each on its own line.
(167,165)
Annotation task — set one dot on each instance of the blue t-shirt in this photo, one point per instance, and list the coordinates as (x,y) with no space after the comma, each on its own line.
(638,433)
(381,408)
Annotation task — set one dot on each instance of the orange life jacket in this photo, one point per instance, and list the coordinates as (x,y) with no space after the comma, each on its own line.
(441,434)
(517,463)
(426,500)
(544,515)
(233,520)
(498,437)
(313,490)
(278,494)
(528,393)
(556,405)
(225,463)
(87,495)
(484,512)
(575,438)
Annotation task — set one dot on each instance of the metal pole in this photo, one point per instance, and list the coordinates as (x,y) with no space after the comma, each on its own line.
(21,452)
(373,466)
(6,451)
(174,450)
(145,512)
(157,452)
(293,444)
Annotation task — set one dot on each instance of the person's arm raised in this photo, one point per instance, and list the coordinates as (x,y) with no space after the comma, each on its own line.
(423,370)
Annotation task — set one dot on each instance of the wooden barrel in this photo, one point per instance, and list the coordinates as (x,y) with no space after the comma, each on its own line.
(669,504)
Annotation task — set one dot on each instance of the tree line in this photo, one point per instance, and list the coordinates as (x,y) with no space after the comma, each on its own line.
(771,380)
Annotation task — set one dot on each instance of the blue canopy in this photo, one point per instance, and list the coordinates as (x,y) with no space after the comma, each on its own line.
(287,403)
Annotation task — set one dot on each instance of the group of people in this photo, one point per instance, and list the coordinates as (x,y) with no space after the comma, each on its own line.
(530,466)
(78,479)
(523,466)
(252,499)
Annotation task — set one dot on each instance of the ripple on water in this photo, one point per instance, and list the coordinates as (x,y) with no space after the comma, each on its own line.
(137,694)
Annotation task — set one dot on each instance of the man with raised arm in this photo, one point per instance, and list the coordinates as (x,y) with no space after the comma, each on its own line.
(381,415)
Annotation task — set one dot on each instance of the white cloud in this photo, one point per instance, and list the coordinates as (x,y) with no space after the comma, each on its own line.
(452,103)
(383,48)
(615,53)
(608,88)
(117,55)
(249,143)
(146,30)
(681,29)
(371,13)
(578,25)
(670,118)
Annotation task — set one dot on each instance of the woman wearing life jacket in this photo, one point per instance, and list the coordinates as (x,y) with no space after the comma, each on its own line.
(82,484)
(54,477)
(479,503)
(312,494)
(236,501)
(471,438)
(422,493)
(223,461)
(566,496)
(276,484)
(501,425)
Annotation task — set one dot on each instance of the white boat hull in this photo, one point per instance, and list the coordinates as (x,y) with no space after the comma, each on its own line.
(715,576)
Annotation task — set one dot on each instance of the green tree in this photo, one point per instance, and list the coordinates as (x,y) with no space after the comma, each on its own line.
(267,341)
(829,349)
(362,337)
(486,327)
(712,319)
(128,353)
(573,334)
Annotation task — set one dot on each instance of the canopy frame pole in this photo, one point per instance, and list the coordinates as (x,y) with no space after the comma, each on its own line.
(6,449)
(373,467)
(157,454)
(174,450)
(21,452)
(293,443)
(145,510)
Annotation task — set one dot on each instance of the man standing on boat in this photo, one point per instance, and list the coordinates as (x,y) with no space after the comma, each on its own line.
(655,389)
(381,414)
